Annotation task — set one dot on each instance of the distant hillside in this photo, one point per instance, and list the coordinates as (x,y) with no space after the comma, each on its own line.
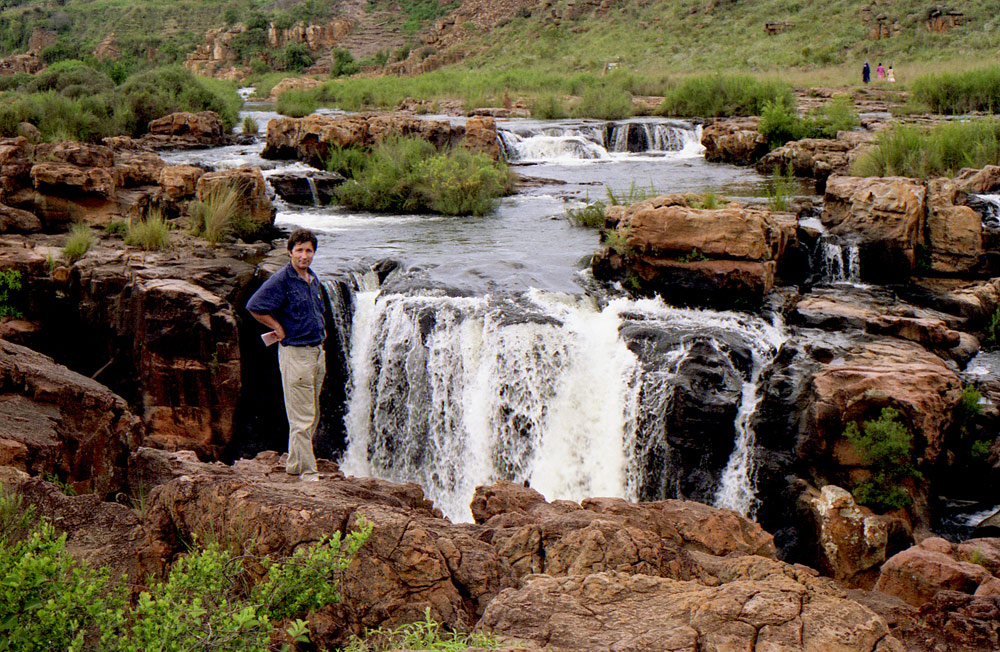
(647,36)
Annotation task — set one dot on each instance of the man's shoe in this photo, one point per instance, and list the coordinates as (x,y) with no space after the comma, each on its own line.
(309,478)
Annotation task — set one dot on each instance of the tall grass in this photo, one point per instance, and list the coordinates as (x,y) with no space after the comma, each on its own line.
(151,233)
(297,103)
(780,123)
(944,150)
(212,218)
(604,103)
(724,95)
(960,92)
(548,106)
(79,242)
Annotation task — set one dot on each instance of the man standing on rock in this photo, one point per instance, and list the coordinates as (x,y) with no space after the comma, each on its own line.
(291,302)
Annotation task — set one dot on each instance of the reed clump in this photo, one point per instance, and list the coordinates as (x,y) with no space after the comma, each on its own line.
(942,151)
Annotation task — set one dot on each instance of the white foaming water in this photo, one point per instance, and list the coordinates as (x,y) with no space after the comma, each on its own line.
(458,392)
(579,143)
(841,261)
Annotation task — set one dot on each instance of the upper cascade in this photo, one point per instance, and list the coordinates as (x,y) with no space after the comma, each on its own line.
(532,142)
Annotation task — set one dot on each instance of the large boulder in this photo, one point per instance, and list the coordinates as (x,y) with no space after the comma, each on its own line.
(852,541)
(63,424)
(15,165)
(812,157)
(311,138)
(954,231)
(614,611)
(254,204)
(917,574)
(735,140)
(203,129)
(884,214)
(721,257)
(986,180)
(179,181)
(604,534)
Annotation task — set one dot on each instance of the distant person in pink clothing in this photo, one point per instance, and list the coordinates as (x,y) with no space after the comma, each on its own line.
(880,72)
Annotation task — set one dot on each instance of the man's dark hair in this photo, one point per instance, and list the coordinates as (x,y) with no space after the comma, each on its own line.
(302,235)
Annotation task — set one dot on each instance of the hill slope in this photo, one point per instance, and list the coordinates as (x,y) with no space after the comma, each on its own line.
(647,36)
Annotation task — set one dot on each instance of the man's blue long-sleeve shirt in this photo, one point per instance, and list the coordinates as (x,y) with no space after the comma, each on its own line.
(297,305)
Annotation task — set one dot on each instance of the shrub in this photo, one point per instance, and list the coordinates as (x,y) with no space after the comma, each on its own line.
(346,160)
(941,151)
(72,79)
(408,175)
(213,216)
(724,95)
(547,106)
(161,91)
(10,288)
(117,228)
(885,445)
(48,601)
(296,103)
(250,125)
(957,93)
(604,103)
(343,63)
(590,216)
(80,240)
(150,234)
(780,123)
(297,57)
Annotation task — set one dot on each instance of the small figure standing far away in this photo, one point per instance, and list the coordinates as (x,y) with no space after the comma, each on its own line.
(866,73)
(890,76)
(880,71)
(291,302)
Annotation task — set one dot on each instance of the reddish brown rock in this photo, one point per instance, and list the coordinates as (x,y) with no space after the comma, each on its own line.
(61,423)
(204,128)
(599,534)
(986,180)
(853,542)
(82,155)
(917,574)
(138,168)
(954,231)
(813,157)
(292,83)
(179,181)
(734,141)
(481,136)
(15,165)
(612,611)
(310,138)
(254,203)
(884,214)
(14,220)
(731,233)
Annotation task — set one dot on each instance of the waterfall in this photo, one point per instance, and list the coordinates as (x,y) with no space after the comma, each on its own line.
(598,141)
(544,388)
(841,261)
(988,206)
(312,190)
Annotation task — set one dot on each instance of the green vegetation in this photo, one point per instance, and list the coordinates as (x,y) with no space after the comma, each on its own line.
(10,288)
(960,92)
(694,257)
(781,189)
(632,195)
(79,242)
(417,13)
(296,103)
(217,215)
(590,216)
(992,338)
(75,101)
(617,241)
(150,234)
(780,123)
(708,200)
(607,103)
(547,106)
(941,151)
(724,95)
(885,444)
(48,601)
(347,161)
(343,63)
(426,634)
(409,175)
(250,125)
(117,228)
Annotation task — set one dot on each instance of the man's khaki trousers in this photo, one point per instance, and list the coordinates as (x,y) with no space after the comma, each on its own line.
(302,371)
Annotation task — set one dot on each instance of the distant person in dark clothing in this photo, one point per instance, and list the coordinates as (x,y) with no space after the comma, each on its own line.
(866,73)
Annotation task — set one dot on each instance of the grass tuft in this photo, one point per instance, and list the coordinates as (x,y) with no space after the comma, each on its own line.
(80,240)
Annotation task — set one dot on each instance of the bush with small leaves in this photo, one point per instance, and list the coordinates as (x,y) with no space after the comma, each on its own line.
(885,444)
